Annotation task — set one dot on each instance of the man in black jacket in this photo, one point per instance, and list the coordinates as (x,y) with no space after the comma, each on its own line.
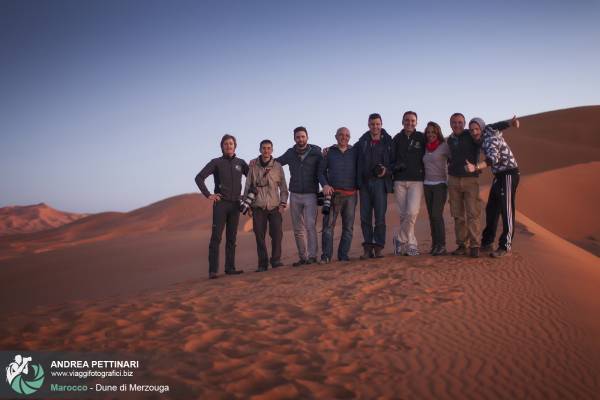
(303,160)
(409,173)
(227,171)
(374,175)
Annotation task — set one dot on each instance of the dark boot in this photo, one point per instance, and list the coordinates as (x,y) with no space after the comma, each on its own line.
(460,251)
(367,252)
(378,250)
(474,252)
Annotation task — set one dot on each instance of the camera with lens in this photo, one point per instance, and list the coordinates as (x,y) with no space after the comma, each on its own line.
(324,202)
(377,170)
(248,200)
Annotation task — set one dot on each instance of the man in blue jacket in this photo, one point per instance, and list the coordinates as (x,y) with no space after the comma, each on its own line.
(303,160)
(337,175)
(374,177)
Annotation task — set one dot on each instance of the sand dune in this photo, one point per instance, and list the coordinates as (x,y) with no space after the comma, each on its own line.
(33,218)
(393,328)
(183,212)
(564,201)
(525,326)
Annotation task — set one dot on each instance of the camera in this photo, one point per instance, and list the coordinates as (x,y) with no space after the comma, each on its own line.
(248,200)
(377,170)
(325,202)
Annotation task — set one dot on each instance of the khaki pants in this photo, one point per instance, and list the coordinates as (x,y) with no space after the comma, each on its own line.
(463,194)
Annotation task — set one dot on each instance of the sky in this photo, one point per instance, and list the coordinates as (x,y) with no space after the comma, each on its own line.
(113,105)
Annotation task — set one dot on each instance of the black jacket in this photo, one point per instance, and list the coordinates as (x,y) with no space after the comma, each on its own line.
(463,147)
(227,173)
(363,171)
(304,172)
(409,153)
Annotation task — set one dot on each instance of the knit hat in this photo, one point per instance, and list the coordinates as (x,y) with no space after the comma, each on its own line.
(479,122)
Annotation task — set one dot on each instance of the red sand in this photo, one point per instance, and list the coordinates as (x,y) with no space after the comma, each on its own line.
(525,326)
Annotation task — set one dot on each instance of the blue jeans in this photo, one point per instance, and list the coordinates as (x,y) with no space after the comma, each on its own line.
(346,206)
(373,200)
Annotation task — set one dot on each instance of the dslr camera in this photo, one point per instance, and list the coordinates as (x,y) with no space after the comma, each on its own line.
(324,202)
(248,200)
(377,170)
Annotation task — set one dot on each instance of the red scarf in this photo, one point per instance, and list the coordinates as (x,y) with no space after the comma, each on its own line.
(431,146)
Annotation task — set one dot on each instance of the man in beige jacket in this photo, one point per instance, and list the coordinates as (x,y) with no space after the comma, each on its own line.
(267,179)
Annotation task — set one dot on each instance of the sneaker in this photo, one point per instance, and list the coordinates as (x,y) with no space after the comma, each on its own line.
(213,275)
(325,260)
(460,251)
(474,252)
(486,248)
(261,269)
(378,250)
(311,260)
(440,251)
(234,272)
(299,263)
(413,251)
(500,253)
(344,259)
(277,264)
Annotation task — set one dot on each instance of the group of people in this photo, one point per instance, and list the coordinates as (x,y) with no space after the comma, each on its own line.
(412,165)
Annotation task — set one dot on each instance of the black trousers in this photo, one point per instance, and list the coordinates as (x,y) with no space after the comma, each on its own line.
(225,214)
(260,218)
(435,198)
(501,202)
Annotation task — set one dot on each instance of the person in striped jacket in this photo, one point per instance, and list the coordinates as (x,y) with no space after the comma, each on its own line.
(501,200)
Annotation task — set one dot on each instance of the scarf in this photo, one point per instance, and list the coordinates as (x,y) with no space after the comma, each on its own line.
(431,146)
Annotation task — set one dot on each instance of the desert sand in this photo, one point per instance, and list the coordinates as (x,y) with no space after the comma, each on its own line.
(424,327)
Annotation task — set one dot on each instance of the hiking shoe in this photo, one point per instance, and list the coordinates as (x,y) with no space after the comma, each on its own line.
(234,272)
(311,260)
(299,263)
(474,252)
(413,251)
(367,252)
(500,253)
(440,251)
(460,251)
(486,248)
(378,250)
(277,264)
(344,259)
(213,275)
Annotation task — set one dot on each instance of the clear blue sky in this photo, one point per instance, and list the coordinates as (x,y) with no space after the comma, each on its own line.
(112,105)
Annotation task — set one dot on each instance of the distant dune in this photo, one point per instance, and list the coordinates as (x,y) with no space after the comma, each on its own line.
(564,201)
(556,139)
(33,218)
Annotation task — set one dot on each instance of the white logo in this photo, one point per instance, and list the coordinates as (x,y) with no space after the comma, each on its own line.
(17,367)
